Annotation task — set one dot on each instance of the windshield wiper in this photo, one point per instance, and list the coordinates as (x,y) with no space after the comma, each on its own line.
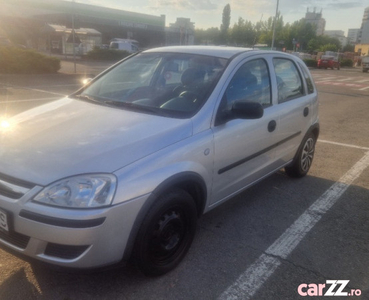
(134,106)
(86,98)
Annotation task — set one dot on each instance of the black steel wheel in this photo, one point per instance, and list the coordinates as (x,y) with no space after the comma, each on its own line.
(166,233)
(304,159)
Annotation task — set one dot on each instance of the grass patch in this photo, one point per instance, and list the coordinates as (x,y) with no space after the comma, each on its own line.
(106,54)
(23,61)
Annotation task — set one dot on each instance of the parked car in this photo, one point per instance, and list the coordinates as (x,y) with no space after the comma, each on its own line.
(365,64)
(328,62)
(124,167)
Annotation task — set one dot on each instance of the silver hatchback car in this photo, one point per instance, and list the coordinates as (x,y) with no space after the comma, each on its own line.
(124,167)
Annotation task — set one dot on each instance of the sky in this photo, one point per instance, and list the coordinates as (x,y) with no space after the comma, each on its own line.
(339,14)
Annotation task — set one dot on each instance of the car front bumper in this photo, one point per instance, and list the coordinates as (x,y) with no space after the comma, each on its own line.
(73,238)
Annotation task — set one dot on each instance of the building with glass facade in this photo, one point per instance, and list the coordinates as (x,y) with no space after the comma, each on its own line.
(24,22)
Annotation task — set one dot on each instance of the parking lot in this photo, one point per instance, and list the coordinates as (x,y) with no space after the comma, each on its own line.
(280,239)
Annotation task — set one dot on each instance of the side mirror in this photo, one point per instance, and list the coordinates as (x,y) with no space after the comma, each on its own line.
(240,110)
(247,110)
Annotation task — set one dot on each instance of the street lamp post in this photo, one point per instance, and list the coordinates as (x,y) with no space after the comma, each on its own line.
(74,48)
(275,24)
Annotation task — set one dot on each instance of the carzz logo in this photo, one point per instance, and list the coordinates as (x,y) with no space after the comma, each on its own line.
(330,288)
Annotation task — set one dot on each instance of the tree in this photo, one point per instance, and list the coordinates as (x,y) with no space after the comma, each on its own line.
(303,33)
(313,45)
(324,43)
(209,36)
(328,47)
(242,33)
(349,48)
(226,21)
(265,30)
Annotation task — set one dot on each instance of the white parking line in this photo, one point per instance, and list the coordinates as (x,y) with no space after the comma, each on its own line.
(258,273)
(364,80)
(30,100)
(58,85)
(34,90)
(344,145)
(42,91)
(330,78)
(345,79)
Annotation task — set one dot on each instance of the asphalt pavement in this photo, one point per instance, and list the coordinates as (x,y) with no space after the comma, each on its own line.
(19,92)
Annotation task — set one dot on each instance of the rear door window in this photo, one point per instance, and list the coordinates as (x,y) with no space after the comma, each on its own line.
(289,80)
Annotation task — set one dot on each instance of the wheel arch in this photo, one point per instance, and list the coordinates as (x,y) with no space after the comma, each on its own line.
(190,182)
(315,130)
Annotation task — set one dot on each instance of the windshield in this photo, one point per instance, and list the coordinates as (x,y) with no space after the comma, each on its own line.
(170,84)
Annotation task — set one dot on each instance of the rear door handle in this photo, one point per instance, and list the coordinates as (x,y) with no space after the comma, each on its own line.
(272,126)
(306,111)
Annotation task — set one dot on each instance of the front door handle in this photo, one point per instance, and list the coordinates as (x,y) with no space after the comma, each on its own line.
(272,126)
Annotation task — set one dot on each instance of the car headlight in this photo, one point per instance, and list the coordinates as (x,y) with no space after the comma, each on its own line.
(84,191)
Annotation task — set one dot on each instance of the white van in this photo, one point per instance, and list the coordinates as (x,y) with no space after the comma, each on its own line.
(365,64)
(130,46)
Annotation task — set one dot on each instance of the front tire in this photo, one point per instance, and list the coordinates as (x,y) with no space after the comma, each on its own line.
(304,159)
(166,233)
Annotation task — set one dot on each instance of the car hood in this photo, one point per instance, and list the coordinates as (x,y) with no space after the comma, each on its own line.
(69,137)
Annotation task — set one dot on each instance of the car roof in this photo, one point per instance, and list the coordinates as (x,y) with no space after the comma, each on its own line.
(217,51)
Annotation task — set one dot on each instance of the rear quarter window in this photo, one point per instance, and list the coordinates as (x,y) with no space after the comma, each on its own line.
(308,79)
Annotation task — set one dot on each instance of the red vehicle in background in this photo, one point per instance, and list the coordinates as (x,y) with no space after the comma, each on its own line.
(328,62)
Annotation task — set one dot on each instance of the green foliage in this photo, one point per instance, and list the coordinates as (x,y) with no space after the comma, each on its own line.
(347,62)
(313,44)
(245,33)
(349,48)
(207,37)
(264,30)
(312,63)
(242,33)
(302,32)
(324,43)
(226,21)
(20,61)
(226,18)
(106,54)
(328,47)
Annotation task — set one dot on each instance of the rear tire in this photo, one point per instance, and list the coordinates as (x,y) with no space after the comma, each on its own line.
(304,159)
(166,233)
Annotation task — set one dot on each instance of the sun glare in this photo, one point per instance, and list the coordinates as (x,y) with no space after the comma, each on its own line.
(4,124)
